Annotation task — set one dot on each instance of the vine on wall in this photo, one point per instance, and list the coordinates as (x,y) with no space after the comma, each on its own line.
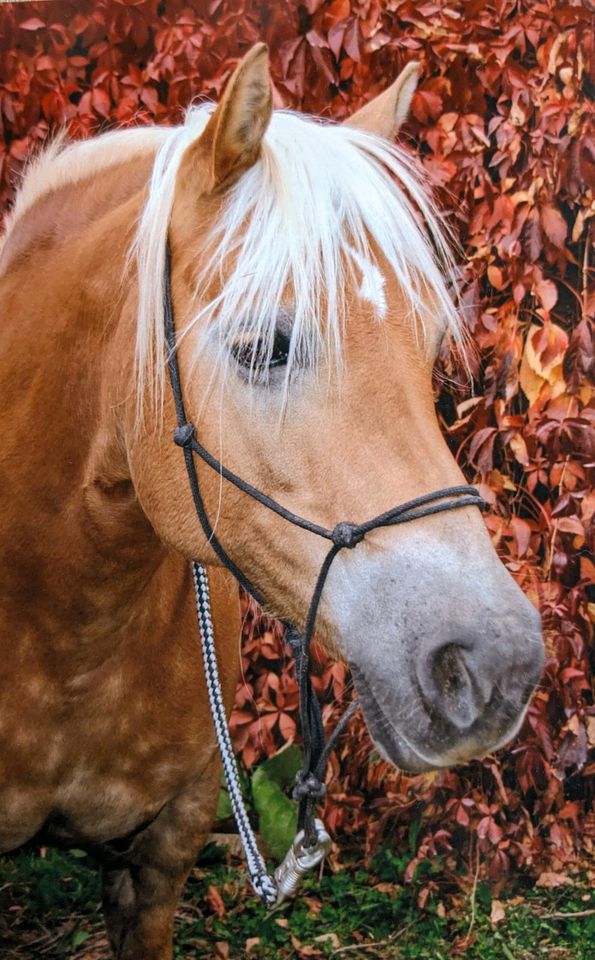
(503,124)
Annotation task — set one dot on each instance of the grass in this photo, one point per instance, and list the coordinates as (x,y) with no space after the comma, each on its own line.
(50,909)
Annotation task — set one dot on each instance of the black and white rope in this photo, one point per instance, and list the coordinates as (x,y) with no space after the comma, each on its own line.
(263,884)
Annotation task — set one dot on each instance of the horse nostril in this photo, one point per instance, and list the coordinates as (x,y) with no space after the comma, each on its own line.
(448,688)
(448,670)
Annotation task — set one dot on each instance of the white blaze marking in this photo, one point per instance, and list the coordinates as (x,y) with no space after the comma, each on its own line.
(372,285)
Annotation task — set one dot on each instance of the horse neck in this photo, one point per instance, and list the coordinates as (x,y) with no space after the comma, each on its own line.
(79,554)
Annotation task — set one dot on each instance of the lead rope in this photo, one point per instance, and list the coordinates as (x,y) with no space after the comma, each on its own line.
(309,847)
(262,883)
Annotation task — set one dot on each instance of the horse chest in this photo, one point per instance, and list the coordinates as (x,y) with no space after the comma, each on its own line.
(91,757)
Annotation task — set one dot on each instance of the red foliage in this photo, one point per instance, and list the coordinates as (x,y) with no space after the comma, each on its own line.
(504,126)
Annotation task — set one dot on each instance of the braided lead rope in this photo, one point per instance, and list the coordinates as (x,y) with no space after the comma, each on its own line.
(262,884)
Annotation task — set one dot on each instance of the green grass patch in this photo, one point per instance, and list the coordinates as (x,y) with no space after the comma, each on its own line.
(50,909)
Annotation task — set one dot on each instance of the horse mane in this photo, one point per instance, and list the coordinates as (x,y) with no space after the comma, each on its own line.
(309,218)
(61,163)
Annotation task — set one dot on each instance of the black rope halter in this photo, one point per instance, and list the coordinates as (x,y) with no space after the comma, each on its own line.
(309,787)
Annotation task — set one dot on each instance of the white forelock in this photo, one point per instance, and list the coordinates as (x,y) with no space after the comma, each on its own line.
(298,229)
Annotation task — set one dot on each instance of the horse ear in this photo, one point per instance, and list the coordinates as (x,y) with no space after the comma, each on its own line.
(386,113)
(234,133)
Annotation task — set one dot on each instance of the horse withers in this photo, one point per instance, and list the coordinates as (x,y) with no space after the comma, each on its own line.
(310,281)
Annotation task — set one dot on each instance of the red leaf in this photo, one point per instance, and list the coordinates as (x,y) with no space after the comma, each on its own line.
(33,23)
(481,448)
(101,101)
(351,41)
(335,38)
(547,292)
(286,726)
(44,63)
(316,40)
(426,105)
(554,225)
(215,901)
(496,277)
(522,533)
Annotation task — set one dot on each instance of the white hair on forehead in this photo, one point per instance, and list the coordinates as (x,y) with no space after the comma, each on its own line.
(305,222)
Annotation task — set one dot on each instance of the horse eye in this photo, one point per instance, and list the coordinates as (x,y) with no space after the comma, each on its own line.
(253,355)
(280,351)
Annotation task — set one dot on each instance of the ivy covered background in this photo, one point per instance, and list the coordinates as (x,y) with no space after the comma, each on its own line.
(503,124)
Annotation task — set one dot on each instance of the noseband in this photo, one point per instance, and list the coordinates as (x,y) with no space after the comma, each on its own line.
(309,787)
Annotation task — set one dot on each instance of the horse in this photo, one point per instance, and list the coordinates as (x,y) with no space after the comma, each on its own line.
(311,281)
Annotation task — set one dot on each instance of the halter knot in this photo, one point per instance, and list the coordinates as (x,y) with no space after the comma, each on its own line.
(347,535)
(307,787)
(184,434)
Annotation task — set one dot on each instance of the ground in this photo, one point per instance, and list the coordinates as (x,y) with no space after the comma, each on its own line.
(49,909)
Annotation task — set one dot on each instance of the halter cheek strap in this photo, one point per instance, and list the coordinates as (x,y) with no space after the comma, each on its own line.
(309,786)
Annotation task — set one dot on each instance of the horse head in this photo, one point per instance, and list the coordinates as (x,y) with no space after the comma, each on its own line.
(311,282)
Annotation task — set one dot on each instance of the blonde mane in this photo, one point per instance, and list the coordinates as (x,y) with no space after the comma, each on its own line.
(60,164)
(310,217)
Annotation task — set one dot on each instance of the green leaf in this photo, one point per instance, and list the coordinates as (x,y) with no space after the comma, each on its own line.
(483,896)
(78,937)
(224,810)
(277,814)
(282,768)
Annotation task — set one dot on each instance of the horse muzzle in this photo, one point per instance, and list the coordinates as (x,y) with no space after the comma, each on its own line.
(446,670)
(449,718)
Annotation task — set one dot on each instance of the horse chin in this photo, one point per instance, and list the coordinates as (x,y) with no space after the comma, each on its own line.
(396,748)
(392,746)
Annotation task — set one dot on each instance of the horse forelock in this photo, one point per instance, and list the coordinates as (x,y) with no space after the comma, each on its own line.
(310,220)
